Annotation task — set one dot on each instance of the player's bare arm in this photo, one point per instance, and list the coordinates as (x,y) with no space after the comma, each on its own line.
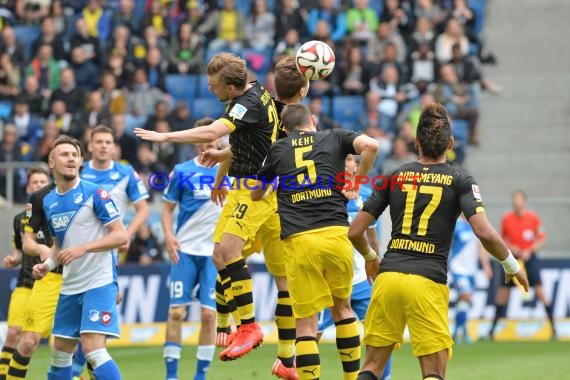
(358,235)
(116,237)
(172,244)
(188,136)
(367,148)
(40,270)
(493,243)
(141,216)
(33,248)
(219,193)
(213,156)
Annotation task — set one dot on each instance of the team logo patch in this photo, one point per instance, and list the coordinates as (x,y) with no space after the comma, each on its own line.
(476,192)
(40,235)
(238,111)
(111,209)
(28,210)
(94,315)
(103,194)
(105,318)
(77,198)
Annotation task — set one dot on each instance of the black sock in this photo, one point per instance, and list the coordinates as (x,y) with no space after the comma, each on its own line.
(366,375)
(501,312)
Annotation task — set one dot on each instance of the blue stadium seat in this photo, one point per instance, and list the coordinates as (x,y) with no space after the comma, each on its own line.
(347,109)
(206,107)
(27,34)
(181,86)
(5,109)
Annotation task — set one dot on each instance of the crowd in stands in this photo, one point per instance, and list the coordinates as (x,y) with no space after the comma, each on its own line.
(69,65)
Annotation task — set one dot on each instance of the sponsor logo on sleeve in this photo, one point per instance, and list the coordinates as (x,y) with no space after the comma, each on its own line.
(28,210)
(476,192)
(238,111)
(111,210)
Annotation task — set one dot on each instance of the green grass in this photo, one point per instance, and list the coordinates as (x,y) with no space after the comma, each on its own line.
(486,360)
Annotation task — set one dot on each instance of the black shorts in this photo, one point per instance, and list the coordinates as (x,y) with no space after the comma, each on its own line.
(532,267)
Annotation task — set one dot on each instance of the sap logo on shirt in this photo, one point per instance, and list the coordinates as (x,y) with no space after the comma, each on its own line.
(60,221)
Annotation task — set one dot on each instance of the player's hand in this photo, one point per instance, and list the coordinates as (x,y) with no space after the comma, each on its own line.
(519,277)
(150,135)
(372,268)
(268,191)
(211,157)
(350,194)
(67,255)
(123,249)
(40,270)
(11,261)
(172,247)
(219,195)
(118,298)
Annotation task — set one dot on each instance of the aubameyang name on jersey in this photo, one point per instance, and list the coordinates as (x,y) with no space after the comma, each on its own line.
(412,245)
(303,141)
(416,177)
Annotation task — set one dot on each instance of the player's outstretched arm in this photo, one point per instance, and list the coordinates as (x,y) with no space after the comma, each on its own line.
(188,136)
(357,234)
(172,244)
(116,237)
(367,148)
(493,243)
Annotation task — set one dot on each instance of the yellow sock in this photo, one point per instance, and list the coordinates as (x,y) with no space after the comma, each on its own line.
(348,346)
(308,359)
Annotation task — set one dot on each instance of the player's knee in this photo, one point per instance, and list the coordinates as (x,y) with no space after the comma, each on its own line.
(61,358)
(13,335)
(177,314)
(218,259)
(208,317)
(340,311)
(28,344)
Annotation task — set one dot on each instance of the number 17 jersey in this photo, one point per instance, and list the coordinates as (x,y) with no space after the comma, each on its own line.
(425,201)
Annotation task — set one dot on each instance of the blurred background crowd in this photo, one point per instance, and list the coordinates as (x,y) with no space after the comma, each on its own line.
(67,66)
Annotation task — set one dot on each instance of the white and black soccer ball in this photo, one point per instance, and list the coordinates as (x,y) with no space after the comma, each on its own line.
(315,60)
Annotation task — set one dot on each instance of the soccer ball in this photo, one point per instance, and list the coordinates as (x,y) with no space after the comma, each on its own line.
(315,60)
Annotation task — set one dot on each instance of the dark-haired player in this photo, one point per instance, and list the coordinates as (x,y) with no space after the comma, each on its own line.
(38,177)
(314,226)
(411,287)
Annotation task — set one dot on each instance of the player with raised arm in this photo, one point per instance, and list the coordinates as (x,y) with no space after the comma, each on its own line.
(314,228)
(190,250)
(425,199)
(251,120)
(361,286)
(124,185)
(37,178)
(87,228)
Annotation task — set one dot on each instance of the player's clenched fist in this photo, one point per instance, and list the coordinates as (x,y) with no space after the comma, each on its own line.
(40,270)
(67,255)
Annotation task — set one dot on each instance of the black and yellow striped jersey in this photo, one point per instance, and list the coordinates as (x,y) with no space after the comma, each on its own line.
(25,278)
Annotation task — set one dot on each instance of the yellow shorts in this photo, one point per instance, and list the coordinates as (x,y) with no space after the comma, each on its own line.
(257,223)
(42,303)
(319,267)
(399,299)
(18,303)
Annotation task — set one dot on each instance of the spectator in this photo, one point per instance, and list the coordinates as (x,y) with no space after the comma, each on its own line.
(287,47)
(12,150)
(69,92)
(400,156)
(466,17)
(166,152)
(29,127)
(160,114)
(142,46)
(453,35)
(12,47)
(324,121)
(179,119)
(454,95)
(423,34)
(355,76)
(260,27)
(34,97)
(156,68)
(384,35)
(408,134)
(83,39)
(144,249)
(9,78)
(389,58)
(30,12)
(85,71)
(371,118)
(423,66)
(50,134)
(398,15)
(146,163)
(228,24)
(157,18)
(95,113)
(120,43)
(60,20)
(49,36)
(122,72)
(429,10)
(63,119)
(45,69)
(128,143)
(335,19)
(185,51)
(114,100)
(361,22)
(97,20)
(141,99)
(126,16)
(289,16)
(468,70)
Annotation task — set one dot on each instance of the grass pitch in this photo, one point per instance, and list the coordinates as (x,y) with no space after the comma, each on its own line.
(484,360)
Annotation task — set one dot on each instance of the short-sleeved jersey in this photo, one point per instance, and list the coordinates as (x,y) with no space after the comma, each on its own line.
(308,166)
(25,278)
(253,120)
(464,255)
(521,230)
(120,180)
(353,207)
(190,188)
(36,221)
(75,217)
(425,201)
